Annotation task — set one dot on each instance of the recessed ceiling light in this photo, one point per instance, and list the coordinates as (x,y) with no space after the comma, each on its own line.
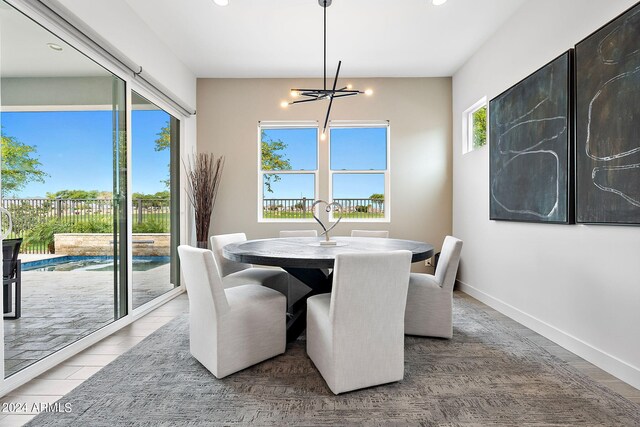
(221,2)
(439,2)
(55,47)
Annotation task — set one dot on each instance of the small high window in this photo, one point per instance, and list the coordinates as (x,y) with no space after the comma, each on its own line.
(474,121)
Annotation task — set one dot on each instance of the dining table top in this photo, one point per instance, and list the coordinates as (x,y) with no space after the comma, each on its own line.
(307,252)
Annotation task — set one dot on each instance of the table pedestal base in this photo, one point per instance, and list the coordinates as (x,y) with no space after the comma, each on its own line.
(319,283)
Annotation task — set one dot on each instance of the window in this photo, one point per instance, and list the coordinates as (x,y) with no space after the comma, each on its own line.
(359,170)
(474,122)
(288,171)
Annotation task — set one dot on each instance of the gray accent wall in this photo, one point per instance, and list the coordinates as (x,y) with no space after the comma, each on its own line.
(419,112)
(578,285)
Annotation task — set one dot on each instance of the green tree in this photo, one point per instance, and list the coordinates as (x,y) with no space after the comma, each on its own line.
(272,159)
(19,165)
(74,194)
(480,127)
(159,199)
(163,142)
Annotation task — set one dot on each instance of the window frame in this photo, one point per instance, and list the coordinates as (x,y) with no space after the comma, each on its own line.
(335,124)
(467,126)
(316,187)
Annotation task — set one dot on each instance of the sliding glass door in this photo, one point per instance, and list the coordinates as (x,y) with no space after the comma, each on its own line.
(93,193)
(63,176)
(154,186)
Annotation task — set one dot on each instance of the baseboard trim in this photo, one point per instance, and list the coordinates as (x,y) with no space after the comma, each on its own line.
(611,364)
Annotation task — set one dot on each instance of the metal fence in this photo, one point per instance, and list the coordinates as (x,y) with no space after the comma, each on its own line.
(301,208)
(36,220)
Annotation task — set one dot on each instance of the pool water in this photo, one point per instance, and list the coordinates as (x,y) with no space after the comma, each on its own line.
(89,263)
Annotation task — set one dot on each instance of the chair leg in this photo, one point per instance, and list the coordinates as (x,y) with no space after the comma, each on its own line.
(7,297)
(17,303)
(18,290)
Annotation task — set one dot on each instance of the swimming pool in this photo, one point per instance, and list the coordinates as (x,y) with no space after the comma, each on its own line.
(92,263)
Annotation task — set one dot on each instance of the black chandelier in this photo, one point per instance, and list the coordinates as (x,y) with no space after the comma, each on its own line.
(312,95)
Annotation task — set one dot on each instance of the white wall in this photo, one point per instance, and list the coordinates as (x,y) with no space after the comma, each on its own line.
(119,25)
(579,285)
(419,111)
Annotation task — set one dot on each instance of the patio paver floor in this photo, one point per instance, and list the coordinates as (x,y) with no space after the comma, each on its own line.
(60,307)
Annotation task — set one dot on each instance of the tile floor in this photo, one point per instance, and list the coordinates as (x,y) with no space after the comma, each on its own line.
(63,378)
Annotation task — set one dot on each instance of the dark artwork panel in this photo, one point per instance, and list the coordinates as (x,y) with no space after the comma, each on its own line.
(608,123)
(529,147)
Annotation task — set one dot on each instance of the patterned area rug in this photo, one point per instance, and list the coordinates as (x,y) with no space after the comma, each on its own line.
(487,374)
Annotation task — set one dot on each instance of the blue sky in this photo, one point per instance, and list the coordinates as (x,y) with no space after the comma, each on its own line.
(351,149)
(76,149)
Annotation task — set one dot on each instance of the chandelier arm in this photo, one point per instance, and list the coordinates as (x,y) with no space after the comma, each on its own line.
(345,94)
(335,83)
(302,91)
(304,100)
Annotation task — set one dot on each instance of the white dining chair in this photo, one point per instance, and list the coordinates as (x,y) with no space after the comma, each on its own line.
(429,309)
(230,329)
(299,233)
(369,233)
(238,273)
(355,335)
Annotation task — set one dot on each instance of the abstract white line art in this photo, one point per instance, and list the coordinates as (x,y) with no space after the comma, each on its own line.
(588,141)
(607,126)
(561,122)
(529,147)
(609,41)
(599,169)
(512,209)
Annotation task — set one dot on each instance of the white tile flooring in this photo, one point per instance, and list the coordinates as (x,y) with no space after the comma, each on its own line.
(56,382)
(60,380)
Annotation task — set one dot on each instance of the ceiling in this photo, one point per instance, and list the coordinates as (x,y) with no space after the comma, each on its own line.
(25,53)
(283,38)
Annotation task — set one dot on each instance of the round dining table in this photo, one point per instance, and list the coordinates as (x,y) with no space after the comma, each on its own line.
(309,261)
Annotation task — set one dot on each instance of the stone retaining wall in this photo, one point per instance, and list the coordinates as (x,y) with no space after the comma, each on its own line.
(95,244)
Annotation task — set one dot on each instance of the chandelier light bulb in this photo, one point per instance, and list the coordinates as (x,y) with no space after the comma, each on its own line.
(295,93)
(323,136)
(284,104)
(368,92)
(349,86)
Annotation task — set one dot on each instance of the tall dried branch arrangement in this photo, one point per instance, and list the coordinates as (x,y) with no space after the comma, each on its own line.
(204,172)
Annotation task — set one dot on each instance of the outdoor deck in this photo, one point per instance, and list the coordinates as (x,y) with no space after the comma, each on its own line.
(60,307)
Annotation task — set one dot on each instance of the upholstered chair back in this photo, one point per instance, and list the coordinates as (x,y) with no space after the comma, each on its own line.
(447,267)
(369,297)
(227,266)
(207,299)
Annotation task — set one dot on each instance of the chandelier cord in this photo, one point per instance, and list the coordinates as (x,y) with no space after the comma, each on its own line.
(325,45)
